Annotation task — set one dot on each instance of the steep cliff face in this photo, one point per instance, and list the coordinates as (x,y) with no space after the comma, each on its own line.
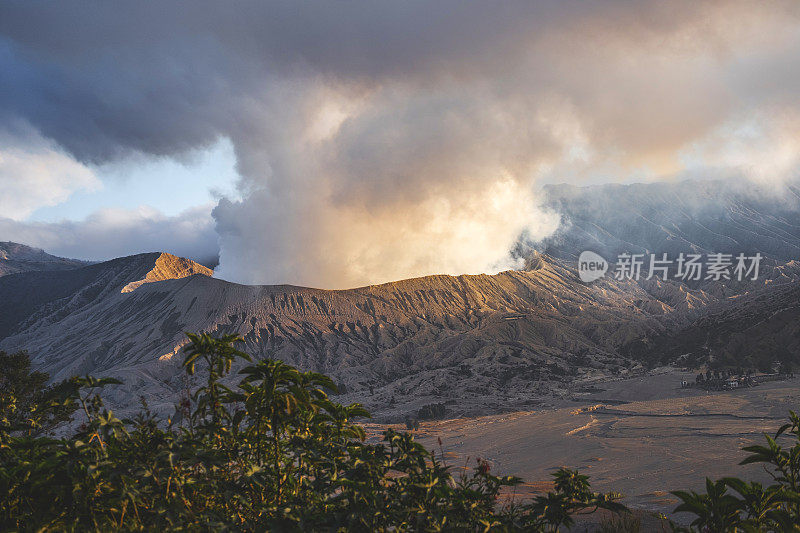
(168,266)
(754,330)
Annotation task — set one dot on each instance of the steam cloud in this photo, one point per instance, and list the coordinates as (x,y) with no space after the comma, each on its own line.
(380,141)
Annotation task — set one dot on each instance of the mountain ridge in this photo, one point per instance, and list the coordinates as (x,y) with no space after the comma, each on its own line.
(480,343)
(373,336)
(16,258)
(699,216)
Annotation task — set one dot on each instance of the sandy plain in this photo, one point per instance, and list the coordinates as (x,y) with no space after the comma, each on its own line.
(644,436)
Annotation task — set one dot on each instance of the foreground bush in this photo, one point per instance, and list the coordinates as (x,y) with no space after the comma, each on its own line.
(732,504)
(275,453)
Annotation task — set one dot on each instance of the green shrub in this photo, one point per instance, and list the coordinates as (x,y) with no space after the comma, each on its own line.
(622,523)
(274,453)
(432,411)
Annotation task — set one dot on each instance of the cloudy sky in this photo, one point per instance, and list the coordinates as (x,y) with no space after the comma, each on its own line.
(341,143)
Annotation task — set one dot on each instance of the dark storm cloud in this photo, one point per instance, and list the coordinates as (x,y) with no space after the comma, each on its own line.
(162,77)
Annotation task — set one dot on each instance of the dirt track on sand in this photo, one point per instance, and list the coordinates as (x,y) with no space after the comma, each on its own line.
(643,437)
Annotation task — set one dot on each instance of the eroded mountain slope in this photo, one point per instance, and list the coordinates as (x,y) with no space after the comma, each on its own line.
(483,343)
(700,216)
(755,330)
(429,338)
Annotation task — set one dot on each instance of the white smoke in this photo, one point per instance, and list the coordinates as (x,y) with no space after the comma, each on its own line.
(395,183)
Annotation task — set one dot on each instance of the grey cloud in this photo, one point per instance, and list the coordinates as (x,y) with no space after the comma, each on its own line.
(114,233)
(426,109)
(162,77)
